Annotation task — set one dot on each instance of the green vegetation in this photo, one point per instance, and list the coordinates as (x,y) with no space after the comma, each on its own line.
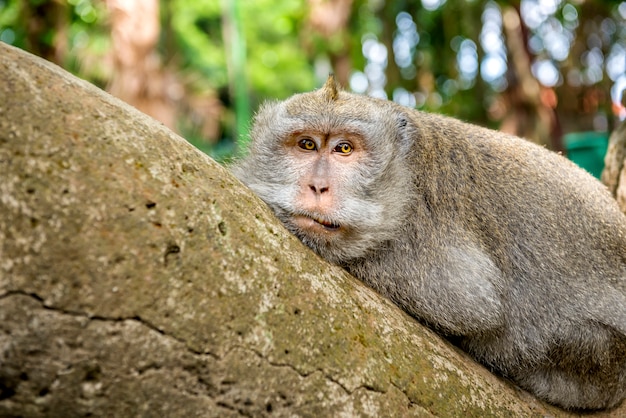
(561,68)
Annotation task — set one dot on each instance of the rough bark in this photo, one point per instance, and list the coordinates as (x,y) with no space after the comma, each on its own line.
(614,173)
(138,278)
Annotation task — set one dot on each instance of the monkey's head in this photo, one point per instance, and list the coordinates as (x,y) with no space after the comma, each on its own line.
(333,167)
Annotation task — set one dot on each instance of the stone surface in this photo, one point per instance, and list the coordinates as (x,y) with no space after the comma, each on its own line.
(138,278)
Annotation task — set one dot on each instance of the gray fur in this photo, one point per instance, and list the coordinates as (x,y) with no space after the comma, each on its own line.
(508,249)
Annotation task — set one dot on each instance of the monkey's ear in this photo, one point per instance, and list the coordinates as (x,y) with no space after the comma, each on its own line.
(406,132)
(331,88)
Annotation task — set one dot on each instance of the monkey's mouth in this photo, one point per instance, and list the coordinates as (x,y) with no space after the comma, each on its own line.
(313,223)
(327,225)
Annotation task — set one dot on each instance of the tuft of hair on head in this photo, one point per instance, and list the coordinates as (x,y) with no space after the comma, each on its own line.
(331,88)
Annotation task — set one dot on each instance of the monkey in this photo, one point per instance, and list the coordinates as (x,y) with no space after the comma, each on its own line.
(507,249)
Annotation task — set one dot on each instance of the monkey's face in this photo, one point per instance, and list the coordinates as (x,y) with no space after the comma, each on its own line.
(321,202)
(333,171)
(325,162)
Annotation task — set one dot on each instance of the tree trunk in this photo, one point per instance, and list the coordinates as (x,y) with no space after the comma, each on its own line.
(139,278)
(330,19)
(139,77)
(531,106)
(614,173)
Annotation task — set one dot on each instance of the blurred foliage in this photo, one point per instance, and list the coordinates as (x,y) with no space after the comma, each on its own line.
(277,65)
(71,34)
(451,56)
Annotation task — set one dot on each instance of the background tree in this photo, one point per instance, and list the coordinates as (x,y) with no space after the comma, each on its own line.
(534,68)
(614,173)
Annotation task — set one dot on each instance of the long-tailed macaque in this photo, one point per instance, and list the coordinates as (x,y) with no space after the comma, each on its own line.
(506,248)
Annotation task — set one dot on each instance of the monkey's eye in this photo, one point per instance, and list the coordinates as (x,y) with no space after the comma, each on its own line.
(307,144)
(343,148)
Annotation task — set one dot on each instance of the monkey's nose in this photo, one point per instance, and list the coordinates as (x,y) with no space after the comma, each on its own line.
(318,189)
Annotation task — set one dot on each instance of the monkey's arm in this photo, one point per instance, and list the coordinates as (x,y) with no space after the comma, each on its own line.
(457,290)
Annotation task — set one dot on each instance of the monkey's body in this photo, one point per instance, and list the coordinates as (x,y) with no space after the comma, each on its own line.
(509,271)
(507,248)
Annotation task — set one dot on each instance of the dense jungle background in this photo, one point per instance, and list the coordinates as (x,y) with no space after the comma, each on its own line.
(543,69)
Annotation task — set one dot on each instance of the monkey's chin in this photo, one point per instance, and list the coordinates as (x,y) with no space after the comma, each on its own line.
(315,225)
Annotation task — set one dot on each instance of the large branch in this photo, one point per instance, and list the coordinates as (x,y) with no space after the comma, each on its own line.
(138,278)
